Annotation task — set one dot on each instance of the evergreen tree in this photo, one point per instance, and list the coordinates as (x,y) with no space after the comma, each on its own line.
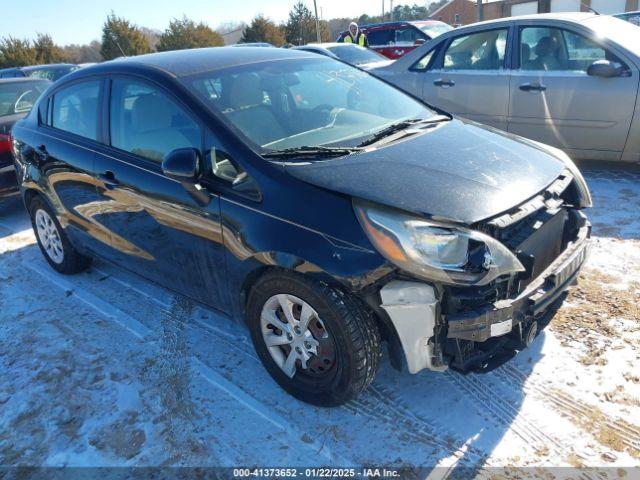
(121,38)
(185,33)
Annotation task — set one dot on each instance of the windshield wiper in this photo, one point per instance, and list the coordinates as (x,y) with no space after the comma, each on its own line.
(403,125)
(311,151)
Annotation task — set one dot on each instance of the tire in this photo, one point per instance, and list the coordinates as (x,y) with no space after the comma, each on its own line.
(347,340)
(57,250)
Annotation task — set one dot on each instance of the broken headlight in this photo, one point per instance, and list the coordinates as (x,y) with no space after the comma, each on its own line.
(435,251)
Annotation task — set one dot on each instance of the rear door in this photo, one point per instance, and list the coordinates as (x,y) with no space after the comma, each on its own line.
(469,76)
(158,229)
(554,101)
(65,145)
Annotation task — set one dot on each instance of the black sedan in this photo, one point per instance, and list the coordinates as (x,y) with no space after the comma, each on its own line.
(17,96)
(52,71)
(328,209)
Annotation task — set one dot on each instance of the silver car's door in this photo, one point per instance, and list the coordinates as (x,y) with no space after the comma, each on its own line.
(469,77)
(553,100)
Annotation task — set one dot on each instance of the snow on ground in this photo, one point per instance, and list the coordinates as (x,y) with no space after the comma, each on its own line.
(103,368)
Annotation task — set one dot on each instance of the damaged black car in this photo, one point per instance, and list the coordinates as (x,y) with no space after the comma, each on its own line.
(329,210)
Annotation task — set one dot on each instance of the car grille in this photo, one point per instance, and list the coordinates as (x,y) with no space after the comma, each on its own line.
(535,231)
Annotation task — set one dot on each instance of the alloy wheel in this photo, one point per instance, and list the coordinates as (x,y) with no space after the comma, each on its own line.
(49,236)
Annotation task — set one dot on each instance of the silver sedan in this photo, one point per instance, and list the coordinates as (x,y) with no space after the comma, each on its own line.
(568,80)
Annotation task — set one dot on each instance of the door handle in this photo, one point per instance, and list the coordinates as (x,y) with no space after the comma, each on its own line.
(444,83)
(532,87)
(109,180)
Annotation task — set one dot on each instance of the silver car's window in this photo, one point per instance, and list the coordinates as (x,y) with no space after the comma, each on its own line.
(145,122)
(303,102)
(477,51)
(555,49)
(75,109)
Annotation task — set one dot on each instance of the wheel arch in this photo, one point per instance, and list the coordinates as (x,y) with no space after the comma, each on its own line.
(371,300)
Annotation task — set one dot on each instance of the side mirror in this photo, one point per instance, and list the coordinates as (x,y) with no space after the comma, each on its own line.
(604,69)
(419,41)
(183,164)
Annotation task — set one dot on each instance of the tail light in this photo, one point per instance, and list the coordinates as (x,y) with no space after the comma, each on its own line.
(5,143)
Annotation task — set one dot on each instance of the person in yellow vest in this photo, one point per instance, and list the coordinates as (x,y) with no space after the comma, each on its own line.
(355,36)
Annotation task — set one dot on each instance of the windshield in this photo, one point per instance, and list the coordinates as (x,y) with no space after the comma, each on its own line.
(19,97)
(435,29)
(303,102)
(51,73)
(625,34)
(356,55)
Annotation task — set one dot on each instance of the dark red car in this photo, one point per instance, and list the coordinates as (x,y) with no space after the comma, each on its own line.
(395,39)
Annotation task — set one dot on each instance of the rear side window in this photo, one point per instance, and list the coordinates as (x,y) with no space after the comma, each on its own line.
(381,37)
(146,122)
(478,51)
(75,109)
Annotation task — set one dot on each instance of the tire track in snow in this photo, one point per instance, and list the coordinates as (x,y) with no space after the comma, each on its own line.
(207,373)
(504,412)
(377,403)
(581,412)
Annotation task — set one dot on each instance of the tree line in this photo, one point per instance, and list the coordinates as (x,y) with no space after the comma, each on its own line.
(120,37)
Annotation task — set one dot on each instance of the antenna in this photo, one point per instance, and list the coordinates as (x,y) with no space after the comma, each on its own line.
(589,8)
(119,47)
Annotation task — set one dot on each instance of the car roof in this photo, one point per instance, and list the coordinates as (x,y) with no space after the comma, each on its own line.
(566,16)
(182,63)
(401,22)
(23,80)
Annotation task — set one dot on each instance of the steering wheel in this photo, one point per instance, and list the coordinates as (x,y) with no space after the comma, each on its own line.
(325,108)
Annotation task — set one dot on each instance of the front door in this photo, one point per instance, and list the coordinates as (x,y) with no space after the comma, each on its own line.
(553,100)
(470,78)
(158,229)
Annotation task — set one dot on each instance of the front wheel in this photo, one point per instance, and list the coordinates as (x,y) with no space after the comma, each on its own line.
(319,344)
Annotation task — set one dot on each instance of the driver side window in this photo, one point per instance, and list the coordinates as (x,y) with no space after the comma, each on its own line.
(554,49)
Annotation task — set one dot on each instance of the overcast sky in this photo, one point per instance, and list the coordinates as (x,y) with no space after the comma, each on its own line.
(80,21)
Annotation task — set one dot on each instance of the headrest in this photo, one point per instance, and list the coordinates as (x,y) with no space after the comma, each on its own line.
(151,112)
(245,91)
(546,46)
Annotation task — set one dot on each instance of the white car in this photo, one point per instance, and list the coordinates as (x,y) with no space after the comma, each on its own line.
(568,80)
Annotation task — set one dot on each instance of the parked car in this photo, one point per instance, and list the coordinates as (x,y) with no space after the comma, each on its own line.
(632,17)
(348,52)
(567,80)
(328,209)
(51,72)
(17,96)
(395,39)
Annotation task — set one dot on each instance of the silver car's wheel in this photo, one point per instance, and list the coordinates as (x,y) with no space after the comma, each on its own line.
(296,336)
(49,236)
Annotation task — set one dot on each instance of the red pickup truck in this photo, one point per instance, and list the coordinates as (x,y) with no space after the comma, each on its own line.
(394,39)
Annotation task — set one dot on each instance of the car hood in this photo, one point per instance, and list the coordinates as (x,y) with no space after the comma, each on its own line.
(459,171)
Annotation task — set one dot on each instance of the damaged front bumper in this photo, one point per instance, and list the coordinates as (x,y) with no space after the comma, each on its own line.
(434,341)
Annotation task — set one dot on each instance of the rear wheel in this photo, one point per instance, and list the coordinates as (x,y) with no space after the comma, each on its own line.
(53,242)
(319,344)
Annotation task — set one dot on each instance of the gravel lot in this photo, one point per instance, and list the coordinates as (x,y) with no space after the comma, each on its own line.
(103,368)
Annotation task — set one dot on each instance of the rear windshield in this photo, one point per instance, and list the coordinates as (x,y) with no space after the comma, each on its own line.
(303,102)
(51,73)
(19,97)
(435,29)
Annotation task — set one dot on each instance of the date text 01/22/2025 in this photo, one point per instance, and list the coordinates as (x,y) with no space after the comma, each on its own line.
(315,472)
